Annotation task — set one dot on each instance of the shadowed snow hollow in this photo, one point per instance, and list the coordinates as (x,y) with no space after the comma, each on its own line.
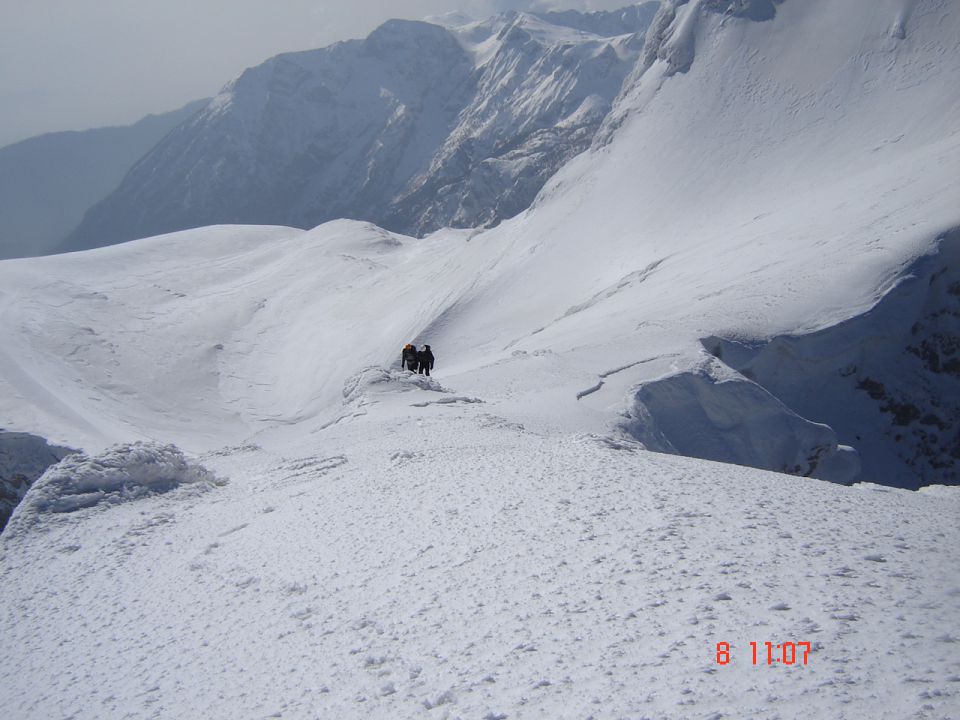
(717,414)
(887,381)
(23,458)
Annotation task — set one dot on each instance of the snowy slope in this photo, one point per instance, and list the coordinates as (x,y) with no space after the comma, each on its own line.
(439,562)
(753,196)
(415,128)
(499,541)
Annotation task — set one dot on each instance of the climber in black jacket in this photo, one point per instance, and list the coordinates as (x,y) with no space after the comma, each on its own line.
(425,360)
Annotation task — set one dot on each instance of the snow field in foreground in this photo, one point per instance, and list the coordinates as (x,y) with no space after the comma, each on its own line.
(456,564)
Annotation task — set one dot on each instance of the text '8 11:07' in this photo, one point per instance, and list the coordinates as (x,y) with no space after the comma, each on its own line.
(787,653)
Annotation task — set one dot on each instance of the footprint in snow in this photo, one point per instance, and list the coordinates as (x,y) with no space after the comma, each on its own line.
(401,457)
(442,699)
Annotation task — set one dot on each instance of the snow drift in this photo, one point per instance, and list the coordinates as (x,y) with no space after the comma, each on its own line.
(371,380)
(717,414)
(887,381)
(122,473)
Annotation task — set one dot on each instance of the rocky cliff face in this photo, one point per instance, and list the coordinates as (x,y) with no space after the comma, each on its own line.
(416,127)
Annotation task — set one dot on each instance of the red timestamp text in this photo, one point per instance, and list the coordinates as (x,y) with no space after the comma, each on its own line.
(768,653)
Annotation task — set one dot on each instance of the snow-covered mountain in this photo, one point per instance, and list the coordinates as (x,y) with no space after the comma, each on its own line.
(48,182)
(417,127)
(754,262)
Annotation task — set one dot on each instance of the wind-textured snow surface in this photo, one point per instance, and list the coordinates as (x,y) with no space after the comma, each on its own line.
(499,540)
(443,561)
(123,473)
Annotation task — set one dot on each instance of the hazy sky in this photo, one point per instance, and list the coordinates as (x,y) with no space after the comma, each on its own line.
(76,64)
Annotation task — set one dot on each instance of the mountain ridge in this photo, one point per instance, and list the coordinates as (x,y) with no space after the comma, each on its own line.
(435,127)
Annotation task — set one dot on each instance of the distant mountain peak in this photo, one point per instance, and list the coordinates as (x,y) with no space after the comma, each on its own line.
(416,127)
